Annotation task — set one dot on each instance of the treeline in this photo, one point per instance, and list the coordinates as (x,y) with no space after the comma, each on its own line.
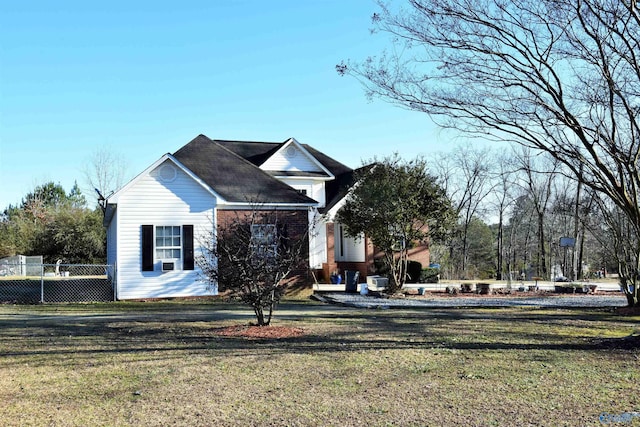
(55,224)
(520,214)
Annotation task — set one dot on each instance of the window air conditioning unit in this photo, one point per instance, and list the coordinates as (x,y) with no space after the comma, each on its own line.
(168,266)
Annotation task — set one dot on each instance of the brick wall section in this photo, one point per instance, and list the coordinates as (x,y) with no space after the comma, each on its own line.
(419,253)
(296,226)
(365,268)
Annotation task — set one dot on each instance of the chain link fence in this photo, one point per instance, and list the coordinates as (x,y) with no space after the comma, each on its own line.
(40,283)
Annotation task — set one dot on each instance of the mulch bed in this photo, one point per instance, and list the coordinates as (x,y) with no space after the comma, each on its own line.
(628,311)
(259,332)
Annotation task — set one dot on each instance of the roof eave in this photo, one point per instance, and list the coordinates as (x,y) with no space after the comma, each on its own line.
(266,206)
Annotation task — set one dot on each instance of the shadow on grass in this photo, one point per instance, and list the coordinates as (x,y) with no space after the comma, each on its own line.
(50,334)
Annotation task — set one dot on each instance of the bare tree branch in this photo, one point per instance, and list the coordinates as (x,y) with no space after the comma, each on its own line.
(560,76)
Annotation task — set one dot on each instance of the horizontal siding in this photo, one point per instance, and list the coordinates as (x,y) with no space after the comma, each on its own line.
(299,162)
(157,202)
(314,188)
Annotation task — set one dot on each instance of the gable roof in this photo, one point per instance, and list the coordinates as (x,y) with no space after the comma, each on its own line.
(313,167)
(233,176)
(112,200)
(259,152)
(252,151)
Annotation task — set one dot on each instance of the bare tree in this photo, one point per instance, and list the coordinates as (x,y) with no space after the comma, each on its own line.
(502,197)
(473,168)
(105,171)
(621,244)
(465,175)
(255,256)
(538,174)
(561,76)
(521,230)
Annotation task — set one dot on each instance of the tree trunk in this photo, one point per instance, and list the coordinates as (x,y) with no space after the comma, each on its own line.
(580,255)
(463,258)
(499,249)
(630,289)
(272,305)
(259,315)
(542,253)
(576,267)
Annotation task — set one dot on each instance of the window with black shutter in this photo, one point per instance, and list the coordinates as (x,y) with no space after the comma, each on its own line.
(169,244)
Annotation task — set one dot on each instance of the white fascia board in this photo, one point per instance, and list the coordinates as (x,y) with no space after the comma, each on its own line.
(266,206)
(113,199)
(306,178)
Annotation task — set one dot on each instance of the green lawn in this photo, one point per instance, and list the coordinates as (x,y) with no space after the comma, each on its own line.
(163,363)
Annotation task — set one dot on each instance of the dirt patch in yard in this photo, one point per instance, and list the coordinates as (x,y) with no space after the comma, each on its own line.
(629,311)
(259,332)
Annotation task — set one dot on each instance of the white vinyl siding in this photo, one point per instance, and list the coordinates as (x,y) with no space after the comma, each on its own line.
(284,161)
(156,201)
(314,188)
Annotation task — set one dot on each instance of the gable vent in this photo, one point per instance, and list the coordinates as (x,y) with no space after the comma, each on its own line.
(290,151)
(168,173)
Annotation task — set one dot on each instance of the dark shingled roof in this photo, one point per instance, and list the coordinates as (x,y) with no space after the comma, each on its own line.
(234,177)
(253,151)
(258,152)
(336,189)
(334,166)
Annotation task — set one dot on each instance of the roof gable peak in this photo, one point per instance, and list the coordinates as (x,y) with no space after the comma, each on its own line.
(293,156)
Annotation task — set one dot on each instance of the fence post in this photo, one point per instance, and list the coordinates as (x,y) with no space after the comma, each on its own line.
(113,281)
(41,283)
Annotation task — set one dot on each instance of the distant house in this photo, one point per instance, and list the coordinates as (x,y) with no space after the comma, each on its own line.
(156,223)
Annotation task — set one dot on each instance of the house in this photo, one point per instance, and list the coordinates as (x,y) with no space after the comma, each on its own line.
(157,223)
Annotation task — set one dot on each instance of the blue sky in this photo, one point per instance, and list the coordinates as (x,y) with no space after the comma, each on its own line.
(144,78)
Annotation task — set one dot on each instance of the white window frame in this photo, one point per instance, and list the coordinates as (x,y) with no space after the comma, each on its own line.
(171,246)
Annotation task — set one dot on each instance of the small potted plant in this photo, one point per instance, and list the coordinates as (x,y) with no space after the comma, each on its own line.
(336,277)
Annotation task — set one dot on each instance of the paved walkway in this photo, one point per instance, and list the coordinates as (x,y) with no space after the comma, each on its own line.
(573,301)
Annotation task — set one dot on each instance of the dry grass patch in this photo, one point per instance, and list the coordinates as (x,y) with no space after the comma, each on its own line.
(167,363)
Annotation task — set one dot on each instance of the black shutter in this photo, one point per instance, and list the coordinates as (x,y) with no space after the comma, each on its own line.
(187,247)
(147,248)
